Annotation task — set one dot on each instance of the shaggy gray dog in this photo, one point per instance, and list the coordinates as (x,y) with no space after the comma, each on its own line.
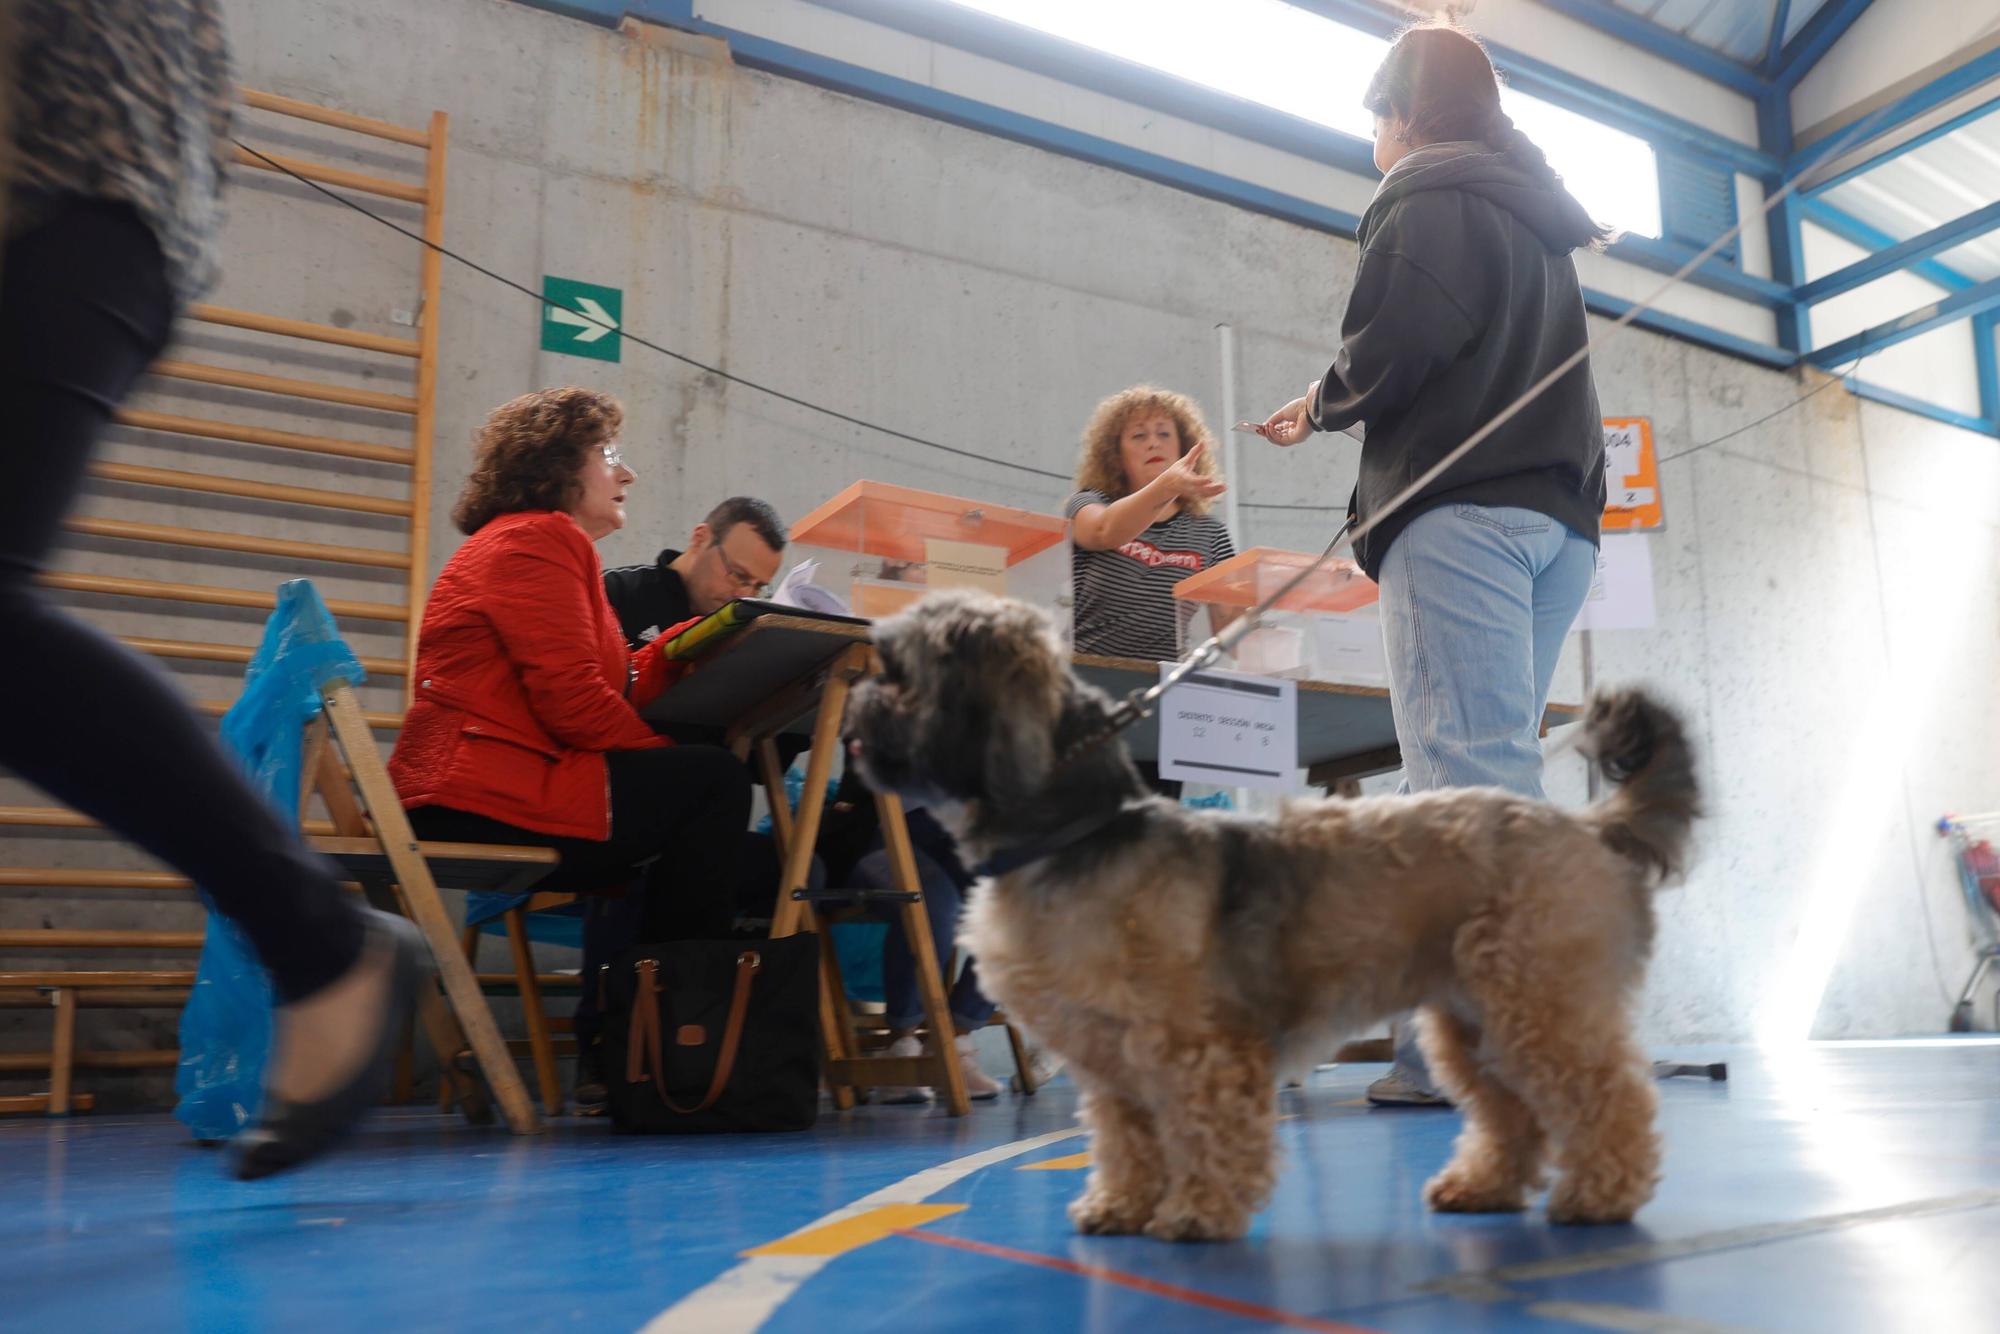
(1180,960)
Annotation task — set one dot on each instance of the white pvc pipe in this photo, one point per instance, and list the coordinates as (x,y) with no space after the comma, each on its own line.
(1232,517)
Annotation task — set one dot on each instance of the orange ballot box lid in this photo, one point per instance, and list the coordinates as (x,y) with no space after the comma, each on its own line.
(1249,577)
(898,522)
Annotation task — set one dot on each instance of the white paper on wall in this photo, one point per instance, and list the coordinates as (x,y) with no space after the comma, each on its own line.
(1621,596)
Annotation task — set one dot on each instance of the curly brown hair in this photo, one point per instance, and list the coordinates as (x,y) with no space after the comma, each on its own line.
(529,451)
(1099,467)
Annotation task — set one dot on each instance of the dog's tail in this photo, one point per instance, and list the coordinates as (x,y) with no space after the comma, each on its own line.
(1640,745)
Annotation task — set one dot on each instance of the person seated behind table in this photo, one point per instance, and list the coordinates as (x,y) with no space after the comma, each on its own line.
(1139,524)
(852,847)
(733,553)
(524,725)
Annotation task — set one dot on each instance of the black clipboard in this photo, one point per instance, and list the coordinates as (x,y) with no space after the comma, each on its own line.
(732,616)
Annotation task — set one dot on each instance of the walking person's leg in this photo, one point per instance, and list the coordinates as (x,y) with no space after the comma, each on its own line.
(84,308)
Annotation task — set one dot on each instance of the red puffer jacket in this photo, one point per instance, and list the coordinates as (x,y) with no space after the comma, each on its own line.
(523,682)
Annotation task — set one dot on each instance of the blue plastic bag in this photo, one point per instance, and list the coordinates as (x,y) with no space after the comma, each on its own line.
(226,1027)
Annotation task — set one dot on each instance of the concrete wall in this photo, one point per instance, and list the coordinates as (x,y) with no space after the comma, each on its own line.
(1826,582)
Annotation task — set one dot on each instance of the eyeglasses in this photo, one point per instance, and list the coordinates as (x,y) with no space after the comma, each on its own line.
(613,455)
(740,577)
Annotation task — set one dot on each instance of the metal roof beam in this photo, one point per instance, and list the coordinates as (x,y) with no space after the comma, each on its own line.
(1856,232)
(1663,42)
(1903,254)
(1946,87)
(1975,300)
(1909,145)
(1796,58)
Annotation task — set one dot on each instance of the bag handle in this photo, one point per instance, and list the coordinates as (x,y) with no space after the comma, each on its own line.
(645,1038)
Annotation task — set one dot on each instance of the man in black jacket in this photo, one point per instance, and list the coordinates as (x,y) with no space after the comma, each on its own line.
(733,553)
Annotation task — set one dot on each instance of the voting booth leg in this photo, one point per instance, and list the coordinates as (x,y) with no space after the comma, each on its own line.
(946,1079)
(791,914)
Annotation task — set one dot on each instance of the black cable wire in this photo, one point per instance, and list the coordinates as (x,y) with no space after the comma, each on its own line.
(835,413)
(702,366)
(1841,378)
(1731,435)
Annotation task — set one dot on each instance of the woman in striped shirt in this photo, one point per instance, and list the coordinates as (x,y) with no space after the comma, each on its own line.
(1139,522)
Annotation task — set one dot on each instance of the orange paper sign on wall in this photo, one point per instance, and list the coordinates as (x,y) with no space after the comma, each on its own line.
(1631,477)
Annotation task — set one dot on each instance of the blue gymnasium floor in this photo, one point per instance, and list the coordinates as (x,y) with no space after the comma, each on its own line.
(1841,1188)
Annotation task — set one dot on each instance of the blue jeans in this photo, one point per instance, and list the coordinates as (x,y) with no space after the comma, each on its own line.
(943,901)
(1476,601)
(1475,604)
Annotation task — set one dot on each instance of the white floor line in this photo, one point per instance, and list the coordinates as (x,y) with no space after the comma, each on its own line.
(740,1300)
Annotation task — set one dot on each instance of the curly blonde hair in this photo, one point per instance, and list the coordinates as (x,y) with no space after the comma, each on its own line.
(1099,467)
(530,450)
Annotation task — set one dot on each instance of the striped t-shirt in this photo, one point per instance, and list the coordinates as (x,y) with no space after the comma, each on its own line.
(1125,604)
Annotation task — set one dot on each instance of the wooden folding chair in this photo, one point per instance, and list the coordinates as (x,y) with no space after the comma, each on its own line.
(374,842)
(542,1042)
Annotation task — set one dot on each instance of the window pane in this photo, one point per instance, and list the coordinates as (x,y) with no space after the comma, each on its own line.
(1290,60)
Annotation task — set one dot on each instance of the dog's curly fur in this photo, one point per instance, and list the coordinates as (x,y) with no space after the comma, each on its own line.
(1180,961)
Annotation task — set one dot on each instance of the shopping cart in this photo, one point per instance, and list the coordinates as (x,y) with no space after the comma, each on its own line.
(1971,838)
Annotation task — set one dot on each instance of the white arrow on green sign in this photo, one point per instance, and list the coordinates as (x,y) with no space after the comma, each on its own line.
(581,319)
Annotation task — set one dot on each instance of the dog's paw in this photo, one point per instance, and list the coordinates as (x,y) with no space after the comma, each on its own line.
(1455,1192)
(1168,1224)
(1101,1216)
(1572,1207)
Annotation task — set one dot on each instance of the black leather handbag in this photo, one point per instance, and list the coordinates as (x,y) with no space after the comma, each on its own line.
(704,1036)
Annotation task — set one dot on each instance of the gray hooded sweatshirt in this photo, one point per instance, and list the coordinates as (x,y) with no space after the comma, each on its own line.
(1465,297)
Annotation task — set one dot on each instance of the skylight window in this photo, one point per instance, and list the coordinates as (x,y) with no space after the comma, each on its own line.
(1306,65)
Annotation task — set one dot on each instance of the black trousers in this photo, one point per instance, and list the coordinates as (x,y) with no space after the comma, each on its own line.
(84,308)
(677,824)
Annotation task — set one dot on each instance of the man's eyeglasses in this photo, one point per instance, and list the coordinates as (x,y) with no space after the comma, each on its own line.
(744,581)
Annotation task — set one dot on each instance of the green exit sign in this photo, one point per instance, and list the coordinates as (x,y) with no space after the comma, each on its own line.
(581,319)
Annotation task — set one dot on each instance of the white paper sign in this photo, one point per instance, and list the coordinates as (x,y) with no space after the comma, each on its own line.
(965,565)
(1350,647)
(1621,452)
(1621,597)
(1230,728)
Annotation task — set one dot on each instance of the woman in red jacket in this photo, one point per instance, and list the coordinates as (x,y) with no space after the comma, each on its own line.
(525,726)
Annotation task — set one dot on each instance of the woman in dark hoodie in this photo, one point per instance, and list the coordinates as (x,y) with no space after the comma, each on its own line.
(1465,297)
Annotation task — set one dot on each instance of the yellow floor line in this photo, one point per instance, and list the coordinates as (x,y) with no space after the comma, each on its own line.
(856,1231)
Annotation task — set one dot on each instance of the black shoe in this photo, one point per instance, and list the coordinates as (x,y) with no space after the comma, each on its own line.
(288,1133)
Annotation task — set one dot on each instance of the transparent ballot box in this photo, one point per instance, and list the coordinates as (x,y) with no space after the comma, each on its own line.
(881,547)
(1326,629)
